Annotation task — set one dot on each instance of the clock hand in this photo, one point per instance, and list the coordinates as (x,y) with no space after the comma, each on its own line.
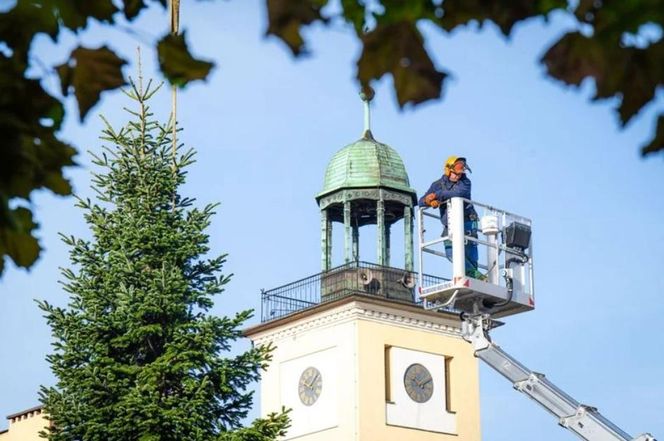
(422,383)
(312,381)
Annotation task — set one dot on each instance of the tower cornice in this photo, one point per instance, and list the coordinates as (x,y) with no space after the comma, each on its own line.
(356,307)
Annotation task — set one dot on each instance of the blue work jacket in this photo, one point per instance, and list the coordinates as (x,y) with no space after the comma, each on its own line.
(446,189)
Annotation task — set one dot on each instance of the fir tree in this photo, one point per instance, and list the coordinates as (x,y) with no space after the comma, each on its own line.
(137,356)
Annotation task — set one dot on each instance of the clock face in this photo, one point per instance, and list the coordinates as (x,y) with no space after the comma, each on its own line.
(418,383)
(310,386)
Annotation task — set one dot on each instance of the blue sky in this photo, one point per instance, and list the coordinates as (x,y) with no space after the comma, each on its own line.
(265,127)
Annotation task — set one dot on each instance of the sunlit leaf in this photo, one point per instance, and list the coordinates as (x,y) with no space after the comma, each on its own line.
(90,72)
(177,64)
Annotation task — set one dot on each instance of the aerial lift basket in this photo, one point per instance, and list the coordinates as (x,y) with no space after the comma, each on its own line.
(501,285)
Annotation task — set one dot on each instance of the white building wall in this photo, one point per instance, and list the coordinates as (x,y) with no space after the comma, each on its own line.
(329,346)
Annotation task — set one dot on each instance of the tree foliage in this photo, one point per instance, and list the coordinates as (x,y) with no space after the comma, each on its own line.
(34,155)
(602,49)
(136,354)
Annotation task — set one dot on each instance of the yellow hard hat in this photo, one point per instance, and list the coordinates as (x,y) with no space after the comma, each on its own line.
(457,164)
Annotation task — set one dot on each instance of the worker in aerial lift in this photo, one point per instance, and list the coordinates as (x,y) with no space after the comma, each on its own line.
(455,183)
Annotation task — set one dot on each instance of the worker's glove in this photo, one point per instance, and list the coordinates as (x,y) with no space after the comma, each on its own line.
(429,198)
(434,204)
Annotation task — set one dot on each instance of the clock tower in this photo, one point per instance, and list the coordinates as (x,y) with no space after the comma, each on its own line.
(356,356)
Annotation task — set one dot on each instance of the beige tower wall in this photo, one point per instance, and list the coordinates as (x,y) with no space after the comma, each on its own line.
(463,375)
(347,341)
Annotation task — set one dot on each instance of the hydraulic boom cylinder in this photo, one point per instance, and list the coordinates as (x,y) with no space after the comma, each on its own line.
(583,420)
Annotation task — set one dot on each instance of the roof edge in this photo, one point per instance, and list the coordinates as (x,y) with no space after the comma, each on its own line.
(410,191)
(321,307)
(25,412)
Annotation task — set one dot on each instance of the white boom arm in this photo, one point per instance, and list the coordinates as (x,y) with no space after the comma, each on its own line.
(585,421)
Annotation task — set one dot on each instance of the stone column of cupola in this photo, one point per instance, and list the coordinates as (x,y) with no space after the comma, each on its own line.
(348,233)
(408,237)
(380,227)
(356,242)
(326,241)
(386,244)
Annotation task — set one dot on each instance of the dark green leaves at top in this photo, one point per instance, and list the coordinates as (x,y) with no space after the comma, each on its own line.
(90,72)
(398,49)
(657,143)
(354,13)
(286,17)
(16,240)
(618,17)
(413,10)
(504,13)
(19,25)
(177,64)
(631,73)
(32,157)
(75,14)
(395,45)
(132,8)
(27,18)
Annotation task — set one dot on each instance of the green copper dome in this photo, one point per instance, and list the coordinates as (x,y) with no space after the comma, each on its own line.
(366,163)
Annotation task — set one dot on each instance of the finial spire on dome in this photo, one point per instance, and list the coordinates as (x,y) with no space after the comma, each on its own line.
(367,95)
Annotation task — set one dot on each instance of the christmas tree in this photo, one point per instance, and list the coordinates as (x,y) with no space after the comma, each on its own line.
(137,355)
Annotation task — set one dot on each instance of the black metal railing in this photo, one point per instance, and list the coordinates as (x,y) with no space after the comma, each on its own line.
(354,278)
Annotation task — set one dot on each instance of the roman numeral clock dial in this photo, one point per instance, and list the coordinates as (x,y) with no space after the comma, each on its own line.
(418,383)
